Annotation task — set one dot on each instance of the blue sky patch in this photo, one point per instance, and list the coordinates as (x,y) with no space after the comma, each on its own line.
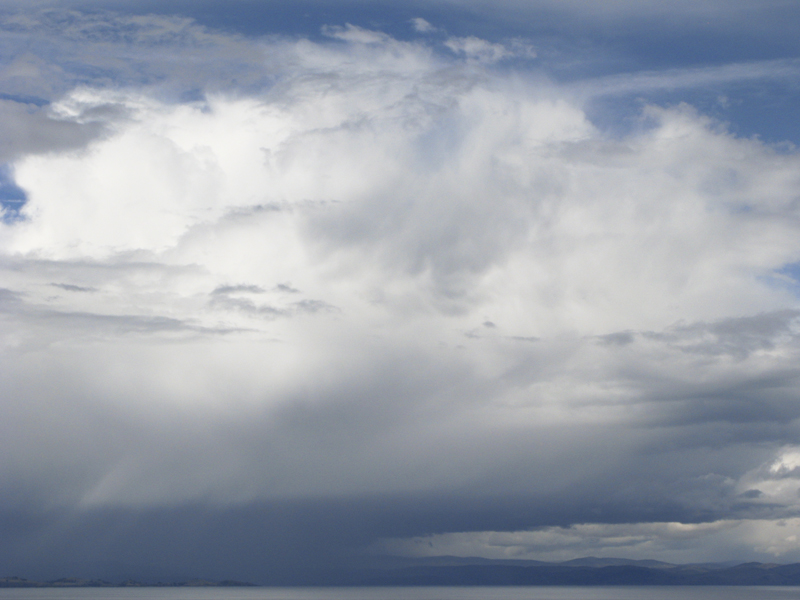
(12,197)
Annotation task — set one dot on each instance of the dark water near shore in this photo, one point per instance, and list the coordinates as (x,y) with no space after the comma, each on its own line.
(410,593)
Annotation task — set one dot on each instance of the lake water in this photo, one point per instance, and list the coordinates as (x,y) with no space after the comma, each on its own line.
(409,593)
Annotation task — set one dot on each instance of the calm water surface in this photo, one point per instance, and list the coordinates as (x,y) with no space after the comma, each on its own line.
(410,593)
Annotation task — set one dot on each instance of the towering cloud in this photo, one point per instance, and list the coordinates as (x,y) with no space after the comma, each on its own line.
(379,295)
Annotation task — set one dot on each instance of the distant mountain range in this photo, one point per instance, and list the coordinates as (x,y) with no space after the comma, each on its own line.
(458,571)
(19,582)
(583,571)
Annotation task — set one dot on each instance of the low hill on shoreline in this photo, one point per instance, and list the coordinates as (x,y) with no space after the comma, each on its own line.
(20,582)
(458,571)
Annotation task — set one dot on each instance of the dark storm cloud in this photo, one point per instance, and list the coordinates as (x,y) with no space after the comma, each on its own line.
(517,479)
(288,541)
(365,288)
(282,542)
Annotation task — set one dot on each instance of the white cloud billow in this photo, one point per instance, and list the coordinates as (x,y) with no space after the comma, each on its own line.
(476,49)
(420,25)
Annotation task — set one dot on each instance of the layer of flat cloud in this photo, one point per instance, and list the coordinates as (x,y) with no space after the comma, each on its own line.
(678,543)
(381,269)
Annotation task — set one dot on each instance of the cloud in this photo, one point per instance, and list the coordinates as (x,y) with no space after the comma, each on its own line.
(28,129)
(229,289)
(477,49)
(709,14)
(373,269)
(422,26)
(51,50)
(698,77)
(482,51)
(73,288)
(354,34)
(770,487)
(670,542)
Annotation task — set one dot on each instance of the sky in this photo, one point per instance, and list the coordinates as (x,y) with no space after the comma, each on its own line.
(287,289)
